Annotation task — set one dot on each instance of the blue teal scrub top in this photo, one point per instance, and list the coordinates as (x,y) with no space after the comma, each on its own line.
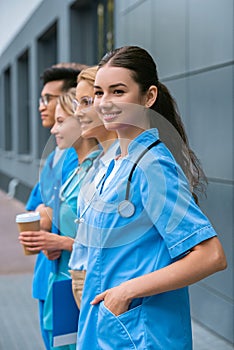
(93,178)
(166,224)
(67,227)
(46,191)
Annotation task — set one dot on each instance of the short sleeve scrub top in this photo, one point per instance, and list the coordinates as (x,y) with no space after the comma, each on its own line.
(166,224)
(68,227)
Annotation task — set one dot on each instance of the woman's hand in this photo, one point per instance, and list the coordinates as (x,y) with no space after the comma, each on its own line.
(43,240)
(204,259)
(52,254)
(39,240)
(115,299)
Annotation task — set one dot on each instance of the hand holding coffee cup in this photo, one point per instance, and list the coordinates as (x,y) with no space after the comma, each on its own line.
(28,222)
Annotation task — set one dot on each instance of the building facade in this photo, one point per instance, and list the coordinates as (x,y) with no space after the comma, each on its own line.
(192,43)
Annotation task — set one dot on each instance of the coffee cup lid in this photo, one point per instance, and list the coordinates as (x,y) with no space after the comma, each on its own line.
(28,217)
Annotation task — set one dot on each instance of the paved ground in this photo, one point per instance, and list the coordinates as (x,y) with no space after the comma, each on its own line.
(19,328)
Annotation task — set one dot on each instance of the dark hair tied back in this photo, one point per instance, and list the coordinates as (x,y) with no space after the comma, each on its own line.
(144,73)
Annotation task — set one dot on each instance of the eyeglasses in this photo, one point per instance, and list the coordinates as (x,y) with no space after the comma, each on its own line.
(84,102)
(46,99)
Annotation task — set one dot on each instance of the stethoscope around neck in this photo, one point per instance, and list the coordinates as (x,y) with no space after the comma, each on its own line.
(67,184)
(126,208)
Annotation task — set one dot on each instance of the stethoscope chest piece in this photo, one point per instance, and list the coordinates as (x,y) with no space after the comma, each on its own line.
(126,208)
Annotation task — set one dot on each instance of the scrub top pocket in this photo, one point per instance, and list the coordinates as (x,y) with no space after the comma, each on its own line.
(124,332)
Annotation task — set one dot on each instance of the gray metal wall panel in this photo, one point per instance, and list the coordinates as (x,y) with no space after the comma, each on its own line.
(212,310)
(168,45)
(211,120)
(140,25)
(219,207)
(127,6)
(135,24)
(179,90)
(210,32)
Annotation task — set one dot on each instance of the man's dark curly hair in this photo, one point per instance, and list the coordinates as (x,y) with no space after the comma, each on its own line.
(67,72)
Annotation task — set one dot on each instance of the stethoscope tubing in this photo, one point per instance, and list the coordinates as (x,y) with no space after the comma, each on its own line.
(126,208)
(69,180)
(155,143)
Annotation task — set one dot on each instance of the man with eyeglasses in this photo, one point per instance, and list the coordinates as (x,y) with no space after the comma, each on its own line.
(56,80)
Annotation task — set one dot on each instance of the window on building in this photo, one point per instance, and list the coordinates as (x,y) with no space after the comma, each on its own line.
(8,140)
(47,47)
(23,104)
(105,27)
(91,30)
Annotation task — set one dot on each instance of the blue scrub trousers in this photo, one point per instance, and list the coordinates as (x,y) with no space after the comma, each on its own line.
(44,332)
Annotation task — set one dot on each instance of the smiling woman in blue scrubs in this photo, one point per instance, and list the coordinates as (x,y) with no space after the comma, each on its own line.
(67,131)
(91,126)
(145,237)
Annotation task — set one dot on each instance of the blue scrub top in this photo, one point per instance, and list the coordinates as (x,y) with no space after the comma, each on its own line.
(67,227)
(93,178)
(166,224)
(46,191)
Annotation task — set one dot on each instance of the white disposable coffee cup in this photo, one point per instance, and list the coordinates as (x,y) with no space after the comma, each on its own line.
(28,222)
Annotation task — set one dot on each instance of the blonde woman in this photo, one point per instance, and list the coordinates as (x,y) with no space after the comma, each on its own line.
(91,126)
(67,131)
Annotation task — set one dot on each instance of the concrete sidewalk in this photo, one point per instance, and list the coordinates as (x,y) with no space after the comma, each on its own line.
(19,327)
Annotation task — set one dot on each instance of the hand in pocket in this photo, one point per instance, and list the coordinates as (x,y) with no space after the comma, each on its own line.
(115,300)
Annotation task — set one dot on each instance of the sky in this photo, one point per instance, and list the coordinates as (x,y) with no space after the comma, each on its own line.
(13,15)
